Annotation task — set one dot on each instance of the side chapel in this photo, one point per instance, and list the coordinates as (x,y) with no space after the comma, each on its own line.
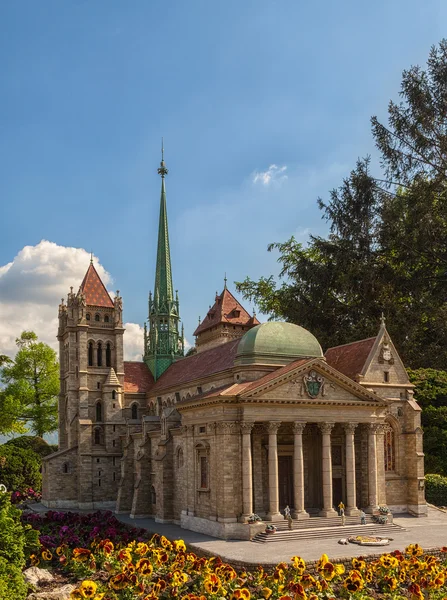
(256,419)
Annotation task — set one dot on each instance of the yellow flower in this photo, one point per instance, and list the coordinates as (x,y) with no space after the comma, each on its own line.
(178,578)
(358,564)
(118,582)
(141,549)
(125,556)
(353,582)
(34,560)
(81,554)
(414,550)
(299,564)
(46,554)
(88,589)
(266,593)
(180,546)
(212,584)
(241,593)
(144,566)
(390,583)
(388,561)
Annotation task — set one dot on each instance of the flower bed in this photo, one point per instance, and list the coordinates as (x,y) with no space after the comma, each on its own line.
(125,565)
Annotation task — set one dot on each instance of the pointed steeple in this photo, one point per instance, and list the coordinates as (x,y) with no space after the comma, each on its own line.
(94,290)
(163,342)
(163,289)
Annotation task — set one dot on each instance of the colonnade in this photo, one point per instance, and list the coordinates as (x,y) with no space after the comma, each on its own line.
(299,511)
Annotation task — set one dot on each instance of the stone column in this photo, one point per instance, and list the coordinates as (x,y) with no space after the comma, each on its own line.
(351,503)
(247,474)
(273,514)
(372,467)
(326,469)
(380,454)
(298,472)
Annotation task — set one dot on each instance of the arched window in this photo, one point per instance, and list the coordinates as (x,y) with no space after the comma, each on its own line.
(97,317)
(108,355)
(97,437)
(99,355)
(134,411)
(87,316)
(90,354)
(106,319)
(153,496)
(113,395)
(98,411)
(180,458)
(65,468)
(202,467)
(390,449)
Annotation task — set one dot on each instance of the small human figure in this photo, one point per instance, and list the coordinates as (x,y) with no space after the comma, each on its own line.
(287,511)
(362,518)
(343,519)
(289,522)
(341,508)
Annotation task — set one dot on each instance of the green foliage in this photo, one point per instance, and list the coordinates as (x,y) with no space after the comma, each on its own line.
(431,394)
(20,468)
(32,442)
(12,583)
(436,489)
(32,385)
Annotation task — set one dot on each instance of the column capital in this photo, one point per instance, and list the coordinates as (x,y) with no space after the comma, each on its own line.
(349,427)
(381,428)
(246,427)
(298,427)
(373,428)
(273,426)
(228,427)
(326,427)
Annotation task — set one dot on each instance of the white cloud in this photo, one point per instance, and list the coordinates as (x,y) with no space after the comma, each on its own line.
(31,288)
(274,174)
(133,341)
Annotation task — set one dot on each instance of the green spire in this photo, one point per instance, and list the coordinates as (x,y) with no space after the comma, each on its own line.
(163,343)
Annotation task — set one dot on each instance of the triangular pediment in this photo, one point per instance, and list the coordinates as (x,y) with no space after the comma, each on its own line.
(383,358)
(312,381)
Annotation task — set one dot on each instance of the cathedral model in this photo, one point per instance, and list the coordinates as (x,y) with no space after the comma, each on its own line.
(256,419)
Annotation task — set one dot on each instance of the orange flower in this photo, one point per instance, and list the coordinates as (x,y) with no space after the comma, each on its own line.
(118,582)
(106,546)
(81,554)
(242,593)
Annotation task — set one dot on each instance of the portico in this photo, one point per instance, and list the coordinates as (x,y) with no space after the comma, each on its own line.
(314,479)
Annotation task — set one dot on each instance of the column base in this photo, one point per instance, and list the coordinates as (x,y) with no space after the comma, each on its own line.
(352,511)
(371,510)
(328,512)
(300,515)
(274,517)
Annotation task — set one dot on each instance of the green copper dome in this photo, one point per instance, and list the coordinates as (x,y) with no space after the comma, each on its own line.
(276,343)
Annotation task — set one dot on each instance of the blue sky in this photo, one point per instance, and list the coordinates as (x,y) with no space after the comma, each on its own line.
(88,89)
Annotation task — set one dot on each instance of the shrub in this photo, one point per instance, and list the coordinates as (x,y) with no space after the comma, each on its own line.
(436,489)
(20,468)
(16,540)
(31,442)
(12,583)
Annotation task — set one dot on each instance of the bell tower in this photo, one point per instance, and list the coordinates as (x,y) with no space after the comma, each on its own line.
(163,343)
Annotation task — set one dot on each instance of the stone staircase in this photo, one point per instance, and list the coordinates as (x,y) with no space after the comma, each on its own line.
(323,528)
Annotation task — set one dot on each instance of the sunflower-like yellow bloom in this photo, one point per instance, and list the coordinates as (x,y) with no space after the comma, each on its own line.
(414,550)
(180,545)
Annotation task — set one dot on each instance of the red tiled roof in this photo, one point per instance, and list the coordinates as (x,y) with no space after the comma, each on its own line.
(226,309)
(198,365)
(94,289)
(137,377)
(350,359)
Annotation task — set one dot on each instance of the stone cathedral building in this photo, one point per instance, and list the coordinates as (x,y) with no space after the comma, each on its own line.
(257,419)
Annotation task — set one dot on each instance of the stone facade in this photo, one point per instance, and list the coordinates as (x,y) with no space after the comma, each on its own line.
(257,420)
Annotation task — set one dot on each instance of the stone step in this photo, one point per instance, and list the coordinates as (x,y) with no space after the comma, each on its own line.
(283,535)
(320,522)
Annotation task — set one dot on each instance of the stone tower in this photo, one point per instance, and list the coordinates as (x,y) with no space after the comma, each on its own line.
(90,337)
(226,320)
(163,343)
